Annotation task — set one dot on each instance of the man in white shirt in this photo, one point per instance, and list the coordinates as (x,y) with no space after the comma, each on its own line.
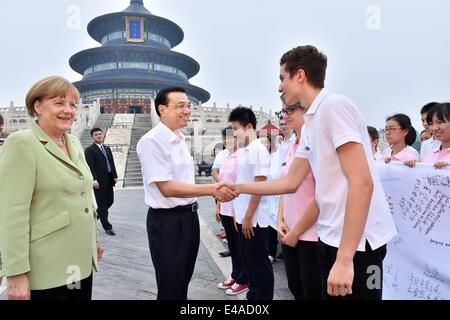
(252,213)
(352,214)
(289,138)
(170,191)
(430,144)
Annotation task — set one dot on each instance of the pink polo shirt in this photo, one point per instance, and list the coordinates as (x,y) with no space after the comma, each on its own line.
(227,173)
(436,154)
(296,203)
(409,153)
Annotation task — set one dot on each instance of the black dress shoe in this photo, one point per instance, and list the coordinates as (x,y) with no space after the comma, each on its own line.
(110,232)
(225,254)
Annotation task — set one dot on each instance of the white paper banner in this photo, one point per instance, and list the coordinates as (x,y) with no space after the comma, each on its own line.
(417,264)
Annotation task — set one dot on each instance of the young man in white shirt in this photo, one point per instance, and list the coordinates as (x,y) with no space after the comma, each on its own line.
(430,144)
(289,138)
(252,213)
(170,191)
(354,221)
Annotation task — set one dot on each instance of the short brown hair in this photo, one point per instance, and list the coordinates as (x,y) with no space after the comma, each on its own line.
(49,88)
(309,59)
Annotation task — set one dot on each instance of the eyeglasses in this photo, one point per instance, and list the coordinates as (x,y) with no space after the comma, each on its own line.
(289,110)
(391,129)
(182,105)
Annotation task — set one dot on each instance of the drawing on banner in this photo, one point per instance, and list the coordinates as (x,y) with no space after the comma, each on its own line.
(424,207)
(417,260)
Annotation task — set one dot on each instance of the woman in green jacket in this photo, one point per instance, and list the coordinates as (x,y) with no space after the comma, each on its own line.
(48,231)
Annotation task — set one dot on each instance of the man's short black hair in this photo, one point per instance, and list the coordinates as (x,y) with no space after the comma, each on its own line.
(95,130)
(426,108)
(161,97)
(244,116)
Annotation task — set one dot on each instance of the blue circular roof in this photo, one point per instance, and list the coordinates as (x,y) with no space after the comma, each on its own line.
(89,57)
(112,22)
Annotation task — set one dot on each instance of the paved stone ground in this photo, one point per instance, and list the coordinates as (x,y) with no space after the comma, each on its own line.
(126,271)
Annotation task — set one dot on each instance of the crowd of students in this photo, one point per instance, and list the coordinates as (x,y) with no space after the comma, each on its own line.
(332,216)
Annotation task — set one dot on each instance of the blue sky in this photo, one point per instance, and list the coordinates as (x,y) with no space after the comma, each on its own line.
(388,56)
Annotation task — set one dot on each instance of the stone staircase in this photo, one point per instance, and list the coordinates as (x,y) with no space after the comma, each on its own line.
(133,175)
(103,122)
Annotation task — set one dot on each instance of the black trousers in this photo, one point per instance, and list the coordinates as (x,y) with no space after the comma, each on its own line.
(239,272)
(272,241)
(259,267)
(361,263)
(103,216)
(174,239)
(105,199)
(82,290)
(302,270)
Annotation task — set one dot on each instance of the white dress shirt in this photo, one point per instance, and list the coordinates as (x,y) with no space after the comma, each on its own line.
(164,156)
(331,122)
(282,148)
(253,161)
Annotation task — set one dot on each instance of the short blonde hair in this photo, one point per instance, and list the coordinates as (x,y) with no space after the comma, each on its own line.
(49,88)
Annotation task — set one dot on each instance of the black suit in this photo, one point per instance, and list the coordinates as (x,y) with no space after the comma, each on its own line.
(99,169)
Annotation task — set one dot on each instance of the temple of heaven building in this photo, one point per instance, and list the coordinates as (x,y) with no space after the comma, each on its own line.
(134,61)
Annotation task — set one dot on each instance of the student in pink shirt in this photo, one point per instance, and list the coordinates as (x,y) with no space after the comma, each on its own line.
(299,251)
(238,282)
(439,121)
(401,135)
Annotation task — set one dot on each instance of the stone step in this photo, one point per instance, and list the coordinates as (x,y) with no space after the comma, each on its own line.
(133,183)
(133,166)
(133,171)
(133,180)
(133,177)
(133,160)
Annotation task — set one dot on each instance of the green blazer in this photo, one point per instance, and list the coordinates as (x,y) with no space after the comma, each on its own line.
(48,227)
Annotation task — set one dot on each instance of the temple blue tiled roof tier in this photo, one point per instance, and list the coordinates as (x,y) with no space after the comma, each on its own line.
(135,60)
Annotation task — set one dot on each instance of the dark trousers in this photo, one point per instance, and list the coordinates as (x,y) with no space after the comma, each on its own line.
(103,216)
(239,272)
(105,199)
(361,263)
(302,270)
(272,241)
(174,239)
(259,267)
(65,293)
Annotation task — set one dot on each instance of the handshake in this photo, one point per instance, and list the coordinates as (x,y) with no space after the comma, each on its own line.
(224,191)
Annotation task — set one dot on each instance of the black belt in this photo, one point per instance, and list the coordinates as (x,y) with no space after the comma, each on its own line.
(187,208)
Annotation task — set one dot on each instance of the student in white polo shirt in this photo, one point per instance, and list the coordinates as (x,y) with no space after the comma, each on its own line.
(430,144)
(170,191)
(252,213)
(353,218)
(289,137)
